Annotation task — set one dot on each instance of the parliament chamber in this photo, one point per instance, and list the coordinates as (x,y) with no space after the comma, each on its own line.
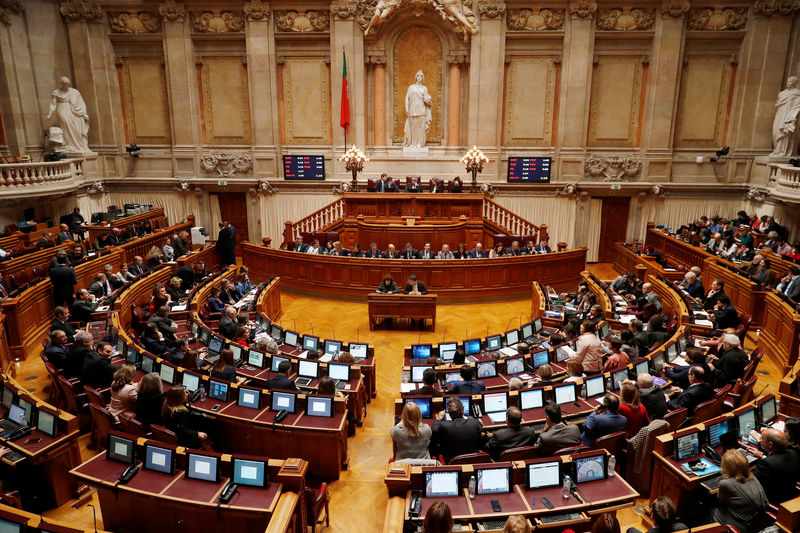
(399,265)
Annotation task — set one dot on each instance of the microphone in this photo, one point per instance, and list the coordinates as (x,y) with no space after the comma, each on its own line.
(419,339)
(294,325)
(357,334)
(520,320)
(509,323)
(466,331)
(487,329)
(334,333)
(94,514)
(312,327)
(444,334)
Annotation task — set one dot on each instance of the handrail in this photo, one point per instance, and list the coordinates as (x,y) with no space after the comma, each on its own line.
(316,221)
(510,221)
(17,175)
(787,176)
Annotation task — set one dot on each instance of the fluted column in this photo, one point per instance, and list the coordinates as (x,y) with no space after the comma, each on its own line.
(487,60)
(378,63)
(454,100)
(347,36)
(576,78)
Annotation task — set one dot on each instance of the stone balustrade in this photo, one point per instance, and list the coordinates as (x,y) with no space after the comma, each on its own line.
(32,178)
(785,181)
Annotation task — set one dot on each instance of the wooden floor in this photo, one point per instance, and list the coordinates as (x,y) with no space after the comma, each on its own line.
(358,498)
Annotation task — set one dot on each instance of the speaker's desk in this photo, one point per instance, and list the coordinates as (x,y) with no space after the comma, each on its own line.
(413,306)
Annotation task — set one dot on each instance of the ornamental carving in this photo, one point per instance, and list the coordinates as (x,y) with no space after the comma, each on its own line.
(618,19)
(183,186)
(266,187)
(7,7)
(172,12)
(133,22)
(491,8)
(535,19)
(226,164)
(612,168)
(583,9)
(377,59)
(675,8)
(256,12)
(302,21)
(373,13)
(95,187)
(776,8)
(570,191)
(84,10)
(757,195)
(344,9)
(217,22)
(713,19)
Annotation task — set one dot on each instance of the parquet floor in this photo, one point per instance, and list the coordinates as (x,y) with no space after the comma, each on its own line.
(358,498)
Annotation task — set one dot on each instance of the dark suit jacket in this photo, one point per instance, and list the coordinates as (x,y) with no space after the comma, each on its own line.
(56,354)
(391,187)
(711,301)
(380,185)
(414,187)
(97,288)
(654,401)
(63,279)
(430,254)
(73,366)
(387,255)
(730,365)
(542,249)
(63,236)
(511,251)
(599,425)
(378,254)
(510,437)
(281,382)
(778,473)
(406,254)
(456,437)
(692,397)
(727,317)
(557,437)
(82,310)
(165,325)
(467,387)
(136,270)
(696,290)
(427,390)
(439,187)
(475,254)
(97,371)
(148,408)
(420,287)
(66,327)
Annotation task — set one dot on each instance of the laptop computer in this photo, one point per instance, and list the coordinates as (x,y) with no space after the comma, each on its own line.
(14,420)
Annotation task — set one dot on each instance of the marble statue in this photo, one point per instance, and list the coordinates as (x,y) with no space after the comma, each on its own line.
(71,116)
(418,113)
(784,128)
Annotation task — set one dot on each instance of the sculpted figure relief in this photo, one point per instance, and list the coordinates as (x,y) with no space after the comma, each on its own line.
(457,12)
(70,115)
(418,113)
(784,128)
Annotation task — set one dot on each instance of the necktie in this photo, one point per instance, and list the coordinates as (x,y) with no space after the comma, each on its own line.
(3,292)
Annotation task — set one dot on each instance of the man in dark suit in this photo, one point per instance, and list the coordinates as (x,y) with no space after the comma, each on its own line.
(78,352)
(97,368)
(511,436)
(115,238)
(604,421)
(113,281)
(651,397)
(281,381)
(373,252)
(692,285)
(514,250)
(467,385)
(414,185)
(543,247)
(62,278)
(64,234)
(529,248)
(228,324)
(84,306)
(137,268)
(390,185)
(725,314)
(428,382)
(790,283)
(380,185)
(556,434)
(226,244)
(46,241)
(391,253)
(717,291)
(100,286)
(779,470)
(56,348)
(456,436)
(415,287)
(698,392)
(408,252)
(478,252)
(426,252)
(61,321)
(729,365)
(75,221)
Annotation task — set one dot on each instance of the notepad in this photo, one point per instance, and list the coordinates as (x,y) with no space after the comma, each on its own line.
(408,387)
(508,352)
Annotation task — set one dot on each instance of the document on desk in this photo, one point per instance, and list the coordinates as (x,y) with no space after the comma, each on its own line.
(508,351)
(626,319)
(181,307)
(327,358)
(704,323)
(408,387)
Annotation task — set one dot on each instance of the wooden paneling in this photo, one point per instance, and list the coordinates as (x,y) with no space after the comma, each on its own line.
(613,224)
(780,332)
(702,104)
(432,208)
(615,101)
(385,234)
(146,101)
(529,102)
(155,216)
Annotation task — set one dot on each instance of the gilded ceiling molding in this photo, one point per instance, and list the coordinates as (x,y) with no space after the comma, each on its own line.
(718,19)
(255,11)
(543,19)
(172,12)
(618,19)
(344,9)
(584,9)
(675,8)
(134,22)
(612,168)
(75,10)
(7,7)
(776,8)
(217,22)
(302,21)
(491,9)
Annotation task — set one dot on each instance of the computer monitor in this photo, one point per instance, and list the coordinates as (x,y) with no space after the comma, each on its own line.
(495,402)
(486,369)
(357,350)
(465,402)
(657,362)
(714,430)
(159,459)
(493,480)
(276,332)
(452,377)
(617,378)
(8,395)
(202,467)
(283,401)
(417,371)
(590,466)
(46,422)
(562,353)
(333,347)
(204,336)
(515,365)
(310,342)
(16,414)
(249,398)
(120,346)
(642,367)
(190,382)
(423,402)
(766,411)
(308,369)
(132,356)
(218,390)
(512,337)
(255,358)
(29,408)
(673,351)
(8,525)
(249,472)
(216,344)
(276,362)
(339,371)
(148,364)
(472,346)
(420,351)
(540,358)
(748,418)
(495,342)
(447,350)
(605,329)
(531,399)
(195,328)
(595,386)
(291,338)
(319,406)
(120,448)
(237,351)
(687,446)
(537,325)
(527,330)
(687,335)
(543,475)
(564,394)
(167,373)
(441,484)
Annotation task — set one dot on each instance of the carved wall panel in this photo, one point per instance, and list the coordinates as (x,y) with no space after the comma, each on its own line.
(542,19)
(218,22)
(302,21)
(146,103)
(618,19)
(306,97)
(529,102)
(417,48)
(615,101)
(134,22)
(717,19)
(226,101)
(703,101)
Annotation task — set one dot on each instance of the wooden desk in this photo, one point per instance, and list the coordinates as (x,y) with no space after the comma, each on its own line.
(155,216)
(39,523)
(413,306)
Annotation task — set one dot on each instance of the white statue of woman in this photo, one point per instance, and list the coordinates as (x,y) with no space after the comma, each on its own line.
(784,128)
(418,113)
(71,116)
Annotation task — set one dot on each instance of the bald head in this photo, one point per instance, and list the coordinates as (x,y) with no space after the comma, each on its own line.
(773,440)
(645,381)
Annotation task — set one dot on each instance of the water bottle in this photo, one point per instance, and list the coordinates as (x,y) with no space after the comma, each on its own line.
(566,488)
(202,392)
(746,434)
(471,488)
(612,464)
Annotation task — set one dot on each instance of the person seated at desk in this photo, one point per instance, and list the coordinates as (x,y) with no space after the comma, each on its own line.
(224,367)
(138,267)
(63,234)
(327,387)
(356,251)
(556,434)
(477,252)
(281,380)
(679,374)
(456,436)
(595,314)
(76,255)
(215,305)
(778,469)
(624,284)
(56,349)
(714,294)
(760,271)
(428,382)
(656,331)
(84,306)
(456,186)
(387,286)
(160,297)
(164,323)
(190,361)
(529,248)
(497,251)
(589,349)
(603,421)
(391,252)
(373,252)
(511,436)
(790,283)
(380,185)
(692,285)
(664,516)
(467,385)
(651,397)
(426,252)
(415,185)
(328,249)
(618,359)
(698,391)
(413,286)
(98,372)
(411,437)
(438,519)
(437,185)
(729,366)
(149,400)
(409,252)
(241,337)
(543,247)
(100,286)
(174,289)
(227,292)
(725,314)
(632,409)
(228,324)
(179,419)
(514,249)
(61,321)
(124,275)
(651,297)
(391,185)
(461,251)
(574,371)
(123,392)
(629,344)
(445,252)
(741,499)
(153,341)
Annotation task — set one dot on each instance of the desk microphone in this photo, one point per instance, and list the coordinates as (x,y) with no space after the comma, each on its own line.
(520,320)
(444,334)
(419,339)
(94,514)
(312,327)
(294,324)
(487,329)
(334,333)
(466,331)
(357,334)
(509,323)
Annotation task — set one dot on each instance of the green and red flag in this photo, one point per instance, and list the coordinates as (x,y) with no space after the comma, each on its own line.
(344,121)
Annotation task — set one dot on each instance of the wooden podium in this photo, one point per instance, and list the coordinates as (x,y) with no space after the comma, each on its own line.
(413,306)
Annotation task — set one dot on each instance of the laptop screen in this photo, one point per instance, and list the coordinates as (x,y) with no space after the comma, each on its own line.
(202,467)
(17,414)
(255,358)
(540,358)
(595,386)
(167,373)
(250,473)
(748,418)
(218,390)
(283,401)
(319,405)
(421,351)
(249,398)
(496,402)
(471,347)
(8,396)
(642,367)
(494,480)
(447,350)
(307,369)
(542,475)
(310,342)
(159,459)
(515,365)
(564,394)
(339,371)
(767,411)
(276,332)
(291,338)
(487,369)
(527,330)
(495,342)
(715,430)
(417,371)
(441,484)
(590,468)
(537,325)
(333,347)
(237,351)
(276,361)
(147,364)
(687,446)
(359,351)
(531,399)
(120,449)
(46,423)
(216,344)
(512,337)
(424,405)
(190,381)
(28,407)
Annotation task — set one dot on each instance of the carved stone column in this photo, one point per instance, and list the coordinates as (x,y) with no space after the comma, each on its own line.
(378,63)
(487,57)
(454,100)
(347,36)
(15,74)
(182,87)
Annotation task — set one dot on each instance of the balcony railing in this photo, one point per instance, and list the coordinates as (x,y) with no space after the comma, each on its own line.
(785,181)
(28,178)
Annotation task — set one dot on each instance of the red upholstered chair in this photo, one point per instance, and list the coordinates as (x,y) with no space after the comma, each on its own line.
(316,502)
(741,396)
(712,408)
(103,422)
(76,403)
(162,434)
(676,418)
(471,459)
(614,443)
(571,449)
(370,185)
(744,324)
(519,453)
(55,397)
(131,426)
(95,396)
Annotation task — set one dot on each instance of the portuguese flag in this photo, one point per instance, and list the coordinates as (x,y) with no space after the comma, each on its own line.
(344,121)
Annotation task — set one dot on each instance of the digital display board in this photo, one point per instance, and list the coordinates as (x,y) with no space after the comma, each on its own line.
(529,169)
(303,167)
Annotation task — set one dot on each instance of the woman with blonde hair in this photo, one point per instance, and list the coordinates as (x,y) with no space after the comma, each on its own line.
(574,371)
(123,392)
(154,257)
(517,524)
(174,289)
(178,418)
(411,436)
(632,409)
(741,498)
